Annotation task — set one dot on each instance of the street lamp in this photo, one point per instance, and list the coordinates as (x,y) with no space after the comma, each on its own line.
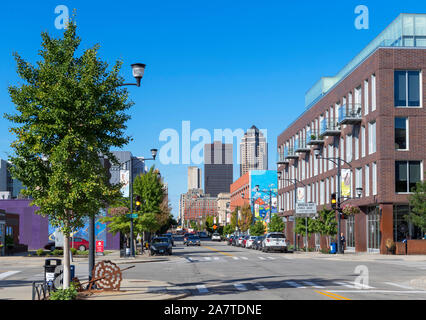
(295,181)
(138,69)
(337,161)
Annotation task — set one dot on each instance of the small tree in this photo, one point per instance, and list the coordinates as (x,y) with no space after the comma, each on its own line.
(234,217)
(257,229)
(246,218)
(276,224)
(417,200)
(325,224)
(228,229)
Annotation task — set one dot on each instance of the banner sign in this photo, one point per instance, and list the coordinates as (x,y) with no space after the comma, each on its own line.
(345,183)
(301,194)
(124,179)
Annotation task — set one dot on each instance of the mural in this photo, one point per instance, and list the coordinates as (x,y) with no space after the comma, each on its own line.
(263,199)
(100,229)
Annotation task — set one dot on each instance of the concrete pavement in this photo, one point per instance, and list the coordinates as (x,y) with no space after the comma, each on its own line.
(13,288)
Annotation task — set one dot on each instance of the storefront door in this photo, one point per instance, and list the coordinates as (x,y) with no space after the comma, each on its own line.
(373,230)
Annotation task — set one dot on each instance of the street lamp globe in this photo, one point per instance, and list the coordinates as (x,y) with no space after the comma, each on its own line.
(359,192)
(154,153)
(317,152)
(279,173)
(138,70)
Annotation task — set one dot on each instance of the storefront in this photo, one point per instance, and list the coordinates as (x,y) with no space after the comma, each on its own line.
(373,229)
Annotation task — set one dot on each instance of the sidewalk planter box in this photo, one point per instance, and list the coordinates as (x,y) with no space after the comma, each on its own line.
(413,247)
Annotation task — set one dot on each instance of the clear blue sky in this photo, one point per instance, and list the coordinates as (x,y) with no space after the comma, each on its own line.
(218,64)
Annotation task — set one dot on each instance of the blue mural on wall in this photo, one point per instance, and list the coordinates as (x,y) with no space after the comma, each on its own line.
(266,197)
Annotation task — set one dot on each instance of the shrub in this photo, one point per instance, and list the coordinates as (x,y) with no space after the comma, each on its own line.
(73,251)
(40,252)
(57,252)
(64,294)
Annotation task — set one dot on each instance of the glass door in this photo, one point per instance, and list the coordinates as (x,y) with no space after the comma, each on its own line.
(373,230)
(350,233)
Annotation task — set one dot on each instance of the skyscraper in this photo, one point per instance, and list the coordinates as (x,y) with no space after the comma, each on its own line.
(194,178)
(253,151)
(218,168)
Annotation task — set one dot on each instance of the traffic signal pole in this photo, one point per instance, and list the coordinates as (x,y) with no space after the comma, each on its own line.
(339,245)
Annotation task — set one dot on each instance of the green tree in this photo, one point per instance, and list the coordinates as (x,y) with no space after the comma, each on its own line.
(234,218)
(257,229)
(228,229)
(209,224)
(325,224)
(246,218)
(69,110)
(418,205)
(276,224)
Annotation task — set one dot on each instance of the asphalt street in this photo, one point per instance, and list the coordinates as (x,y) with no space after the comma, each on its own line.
(218,271)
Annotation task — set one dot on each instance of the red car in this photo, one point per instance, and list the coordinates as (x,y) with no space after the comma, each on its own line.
(79,244)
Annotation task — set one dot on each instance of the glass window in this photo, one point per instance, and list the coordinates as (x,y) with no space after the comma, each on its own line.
(371,137)
(407,88)
(374,177)
(367,180)
(401,133)
(407,174)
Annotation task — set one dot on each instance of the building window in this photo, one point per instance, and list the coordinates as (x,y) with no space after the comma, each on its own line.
(367,180)
(403,228)
(374,178)
(407,88)
(349,148)
(401,133)
(366,97)
(371,137)
(362,141)
(358,178)
(373,92)
(407,174)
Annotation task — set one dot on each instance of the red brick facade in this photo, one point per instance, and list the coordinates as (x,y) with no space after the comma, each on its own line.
(382,64)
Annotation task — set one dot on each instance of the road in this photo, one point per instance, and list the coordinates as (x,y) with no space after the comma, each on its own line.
(218,271)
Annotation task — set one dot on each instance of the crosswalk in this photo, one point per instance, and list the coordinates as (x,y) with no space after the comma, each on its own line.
(233,258)
(329,285)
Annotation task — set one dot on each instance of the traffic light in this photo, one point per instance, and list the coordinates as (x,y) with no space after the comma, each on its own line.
(333,201)
(138,203)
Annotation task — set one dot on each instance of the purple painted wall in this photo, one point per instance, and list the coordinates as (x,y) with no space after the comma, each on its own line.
(34,229)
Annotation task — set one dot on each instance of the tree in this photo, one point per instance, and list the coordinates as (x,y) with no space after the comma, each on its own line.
(209,224)
(257,229)
(246,218)
(228,229)
(325,224)
(70,110)
(417,200)
(276,224)
(234,218)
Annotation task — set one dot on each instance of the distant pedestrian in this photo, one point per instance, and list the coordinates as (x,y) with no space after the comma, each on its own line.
(342,242)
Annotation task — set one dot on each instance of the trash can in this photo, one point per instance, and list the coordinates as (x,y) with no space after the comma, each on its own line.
(50,271)
(333,247)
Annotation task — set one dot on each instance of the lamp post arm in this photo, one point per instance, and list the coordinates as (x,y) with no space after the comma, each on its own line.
(337,159)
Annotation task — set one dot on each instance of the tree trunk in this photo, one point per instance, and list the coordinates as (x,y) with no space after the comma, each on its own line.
(66,274)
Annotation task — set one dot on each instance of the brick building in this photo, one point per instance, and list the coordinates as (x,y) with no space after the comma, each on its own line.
(196,206)
(371,115)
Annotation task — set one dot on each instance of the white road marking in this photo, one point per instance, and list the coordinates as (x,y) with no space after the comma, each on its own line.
(271,258)
(207,258)
(361,286)
(399,285)
(294,284)
(6,274)
(235,258)
(345,285)
(262,258)
(244,258)
(259,287)
(312,284)
(202,288)
(216,258)
(374,291)
(240,286)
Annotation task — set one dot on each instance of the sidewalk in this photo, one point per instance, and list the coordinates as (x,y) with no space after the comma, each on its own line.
(359,256)
(131,289)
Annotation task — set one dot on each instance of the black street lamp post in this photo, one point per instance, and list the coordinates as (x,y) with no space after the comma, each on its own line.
(337,161)
(295,181)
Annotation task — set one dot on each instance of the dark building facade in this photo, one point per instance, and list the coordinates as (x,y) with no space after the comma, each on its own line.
(372,116)
(218,168)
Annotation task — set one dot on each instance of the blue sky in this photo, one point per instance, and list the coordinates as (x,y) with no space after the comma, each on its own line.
(218,64)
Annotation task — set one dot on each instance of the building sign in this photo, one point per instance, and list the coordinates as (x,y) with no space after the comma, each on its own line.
(345,183)
(99,248)
(306,209)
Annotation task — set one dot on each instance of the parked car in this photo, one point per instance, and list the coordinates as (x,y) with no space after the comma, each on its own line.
(170,236)
(186,236)
(243,243)
(240,240)
(216,237)
(78,243)
(203,235)
(250,241)
(257,244)
(161,245)
(274,241)
(193,240)
(230,240)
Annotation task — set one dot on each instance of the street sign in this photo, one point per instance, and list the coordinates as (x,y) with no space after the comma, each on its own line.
(99,248)
(133,215)
(214,227)
(306,209)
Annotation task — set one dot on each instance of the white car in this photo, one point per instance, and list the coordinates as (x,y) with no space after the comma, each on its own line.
(249,242)
(216,237)
(274,241)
